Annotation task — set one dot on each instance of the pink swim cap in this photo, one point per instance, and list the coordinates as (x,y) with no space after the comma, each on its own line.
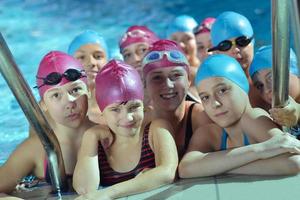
(205,26)
(164,46)
(55,61)
(118,82)
(135,34)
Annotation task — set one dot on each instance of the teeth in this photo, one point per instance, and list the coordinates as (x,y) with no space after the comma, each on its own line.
(168,96)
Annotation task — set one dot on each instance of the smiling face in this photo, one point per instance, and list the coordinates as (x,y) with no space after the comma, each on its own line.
(67,104)
(125,119)
(93,58)
(133,54)
(223,101)
(262,81)
(167,87)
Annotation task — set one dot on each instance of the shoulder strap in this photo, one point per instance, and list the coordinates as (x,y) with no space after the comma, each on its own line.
(189,127)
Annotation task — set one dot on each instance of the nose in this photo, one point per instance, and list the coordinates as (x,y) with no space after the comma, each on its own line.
(70,101)
(137,58)
(182,45)
(216,103)
(169,83)
(92,63)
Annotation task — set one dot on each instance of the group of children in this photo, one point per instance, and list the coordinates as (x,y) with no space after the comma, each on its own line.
(186,105)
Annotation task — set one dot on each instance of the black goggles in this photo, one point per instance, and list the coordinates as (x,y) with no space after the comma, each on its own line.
(225,45)
(55,78)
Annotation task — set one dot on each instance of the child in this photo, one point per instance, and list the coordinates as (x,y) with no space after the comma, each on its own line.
(63,90)
(246,141)
(90,49)
(138,156)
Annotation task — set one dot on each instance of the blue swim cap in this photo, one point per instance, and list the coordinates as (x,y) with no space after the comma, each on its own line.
(221,65)
(182,23)
(87,37)
(263,60)
(230,25)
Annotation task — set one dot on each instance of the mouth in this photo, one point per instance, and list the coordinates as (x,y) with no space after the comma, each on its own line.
(221,114)
(128,126)
(168,96)
(73,116)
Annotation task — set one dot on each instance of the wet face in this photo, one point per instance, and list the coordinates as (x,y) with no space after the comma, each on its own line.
(93,57)
(167,87)
(133,54)
(203,42)
(262,81)
(125,119)
(223,101)
(67,104)
(187,42)
(244,55)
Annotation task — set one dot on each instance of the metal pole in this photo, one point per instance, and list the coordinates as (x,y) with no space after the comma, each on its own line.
(281,52)
(295,22)
(31,109)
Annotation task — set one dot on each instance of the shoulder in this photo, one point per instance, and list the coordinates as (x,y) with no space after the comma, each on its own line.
(258,124)
(206,138)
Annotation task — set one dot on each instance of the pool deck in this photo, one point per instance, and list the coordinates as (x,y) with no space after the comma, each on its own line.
(229,187)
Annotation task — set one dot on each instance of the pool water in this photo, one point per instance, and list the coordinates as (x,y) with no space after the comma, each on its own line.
(34,27)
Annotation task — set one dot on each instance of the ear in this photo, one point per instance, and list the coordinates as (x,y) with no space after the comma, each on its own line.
(43,106)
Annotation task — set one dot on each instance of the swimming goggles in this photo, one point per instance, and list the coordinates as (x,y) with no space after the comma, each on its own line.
(134,34)
(54,78)
(202,27)
(225,45)
(173,56)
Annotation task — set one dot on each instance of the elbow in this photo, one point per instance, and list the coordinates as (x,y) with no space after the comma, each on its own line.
(294,164)
(184,170)
(169,175)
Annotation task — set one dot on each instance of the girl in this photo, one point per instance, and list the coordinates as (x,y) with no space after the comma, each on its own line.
(90,49)
(138,156)
(62,88)
(180,30)
(232,34)
(246,141)
(166,74)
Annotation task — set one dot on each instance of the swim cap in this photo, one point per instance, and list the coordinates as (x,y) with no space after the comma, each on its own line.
(135,34)
(205,26)
(56,61)
(230,25)
(87,37)
(117,82)
(164,45)
(263,60)
(182,23)
(221,65)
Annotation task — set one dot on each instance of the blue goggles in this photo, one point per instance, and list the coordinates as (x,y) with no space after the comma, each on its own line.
(173,56)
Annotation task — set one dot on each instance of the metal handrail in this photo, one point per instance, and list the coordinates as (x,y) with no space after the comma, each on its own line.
(295,24)
(281,52)
(32,111)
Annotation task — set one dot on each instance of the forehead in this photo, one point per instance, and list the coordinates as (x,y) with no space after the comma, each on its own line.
(182,35)
(90,48)
(128,103)
(134,46)
(166,70)
(66,86)
(210,83)
(264,73)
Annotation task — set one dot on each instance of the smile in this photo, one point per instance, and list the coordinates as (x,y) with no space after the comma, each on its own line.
(169,95)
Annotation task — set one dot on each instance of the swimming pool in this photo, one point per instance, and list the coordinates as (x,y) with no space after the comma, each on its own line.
(34,27)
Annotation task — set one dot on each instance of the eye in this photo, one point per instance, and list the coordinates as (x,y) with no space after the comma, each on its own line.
(156,78)
(80,57)
(259,86)
(55,95)
(126,56)
(176,76)
(98,56)
(134,107)
(201,48)
(76,90)
(222,91)
(204,98)
(115,109)
(142,50)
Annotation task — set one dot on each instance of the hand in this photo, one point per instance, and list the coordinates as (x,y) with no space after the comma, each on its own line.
(95,195)
(279,144)
(288,115)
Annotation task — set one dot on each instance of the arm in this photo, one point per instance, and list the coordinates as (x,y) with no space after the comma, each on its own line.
(166,160)
(86,176)
(20,163)
(198,162)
